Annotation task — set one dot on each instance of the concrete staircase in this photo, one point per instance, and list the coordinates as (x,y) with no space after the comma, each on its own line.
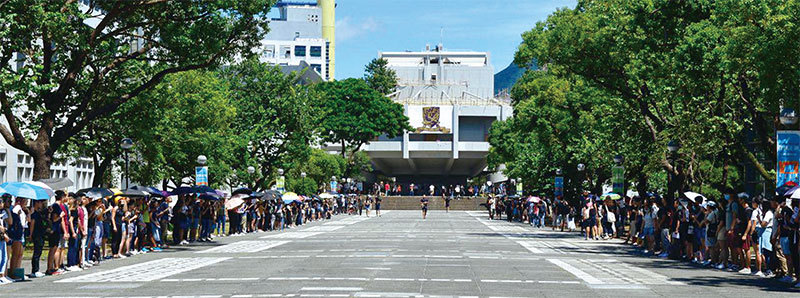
(434,203)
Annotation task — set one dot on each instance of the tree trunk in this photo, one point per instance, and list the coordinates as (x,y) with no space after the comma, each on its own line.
(100,171)
(41,165)
(641,184)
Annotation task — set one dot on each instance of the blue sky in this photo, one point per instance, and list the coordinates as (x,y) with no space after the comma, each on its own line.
(364,27)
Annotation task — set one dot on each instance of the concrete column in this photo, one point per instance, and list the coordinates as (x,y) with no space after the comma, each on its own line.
(456,108)
(405,134)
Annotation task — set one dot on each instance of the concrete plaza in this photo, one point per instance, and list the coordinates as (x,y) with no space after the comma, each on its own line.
(400,255)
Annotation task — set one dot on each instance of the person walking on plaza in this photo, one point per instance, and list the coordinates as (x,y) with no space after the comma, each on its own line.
(424,205)
(378,206)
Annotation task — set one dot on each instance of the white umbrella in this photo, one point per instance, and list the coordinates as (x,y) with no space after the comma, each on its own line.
(58,183)
(796,195)
(235,201)
(326,195)
(693,196)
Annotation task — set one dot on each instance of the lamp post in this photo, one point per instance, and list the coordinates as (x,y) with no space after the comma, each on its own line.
(250,171)
(201,159)
(618,159)
(126,146)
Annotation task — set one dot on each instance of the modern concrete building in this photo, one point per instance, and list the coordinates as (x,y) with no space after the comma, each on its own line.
(299,34)
(448,97)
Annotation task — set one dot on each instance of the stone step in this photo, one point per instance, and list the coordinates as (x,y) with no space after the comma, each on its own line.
(434,203)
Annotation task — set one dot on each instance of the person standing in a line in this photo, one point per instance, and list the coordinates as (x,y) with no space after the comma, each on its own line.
(424,204)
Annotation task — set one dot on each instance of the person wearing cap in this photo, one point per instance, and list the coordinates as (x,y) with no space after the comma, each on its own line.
(711,224)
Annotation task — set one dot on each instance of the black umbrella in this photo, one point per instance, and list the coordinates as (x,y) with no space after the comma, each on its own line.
(96,192)
(209,196)
(271,195)
(133,193)
(150,190)
(243,190)
(201,189)
(181,191)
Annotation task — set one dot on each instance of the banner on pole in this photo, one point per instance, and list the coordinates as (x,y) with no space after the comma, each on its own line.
(558,187)
(280,184)
(618,180)
(788,157)
(519,188)
(201,176)
(334,186)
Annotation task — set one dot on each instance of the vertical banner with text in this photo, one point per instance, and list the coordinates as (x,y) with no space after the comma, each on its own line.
(788,157)
(618,180)
(280,184)
(201,176)
(519,188)
(334,186)
(558,187)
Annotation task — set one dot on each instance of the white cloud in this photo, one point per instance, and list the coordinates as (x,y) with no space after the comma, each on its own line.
(347,29)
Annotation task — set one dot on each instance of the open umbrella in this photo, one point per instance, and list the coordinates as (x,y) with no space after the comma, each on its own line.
(534,200)
(326,195)
(243,190)
(209,196)
(26,190)
(612,196)
(271,195)
(201,189)
(693,196)
(96,192)
(42,185)
(181,191)
(795,195)
(235,201)
(290,197)
(152,191)
(134,193)
(58,183)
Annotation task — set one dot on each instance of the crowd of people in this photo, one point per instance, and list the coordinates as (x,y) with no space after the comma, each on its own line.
(81,232)
(737,232)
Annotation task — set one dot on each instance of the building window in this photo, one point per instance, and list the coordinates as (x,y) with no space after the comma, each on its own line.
(286,52)
(316,51)
(2,174)
(299,51)
(317,68)
(269,51)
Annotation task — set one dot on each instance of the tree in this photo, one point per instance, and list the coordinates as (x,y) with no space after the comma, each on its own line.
(66,66)
(276,118)
(321,166)
(354,114)
(380,77)
(674,70)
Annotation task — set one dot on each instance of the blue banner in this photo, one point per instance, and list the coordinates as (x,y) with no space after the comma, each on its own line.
(201,175)
(558,189)
(788,157)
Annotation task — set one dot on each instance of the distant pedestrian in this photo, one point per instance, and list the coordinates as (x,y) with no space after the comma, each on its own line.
(424,204)
(378,206)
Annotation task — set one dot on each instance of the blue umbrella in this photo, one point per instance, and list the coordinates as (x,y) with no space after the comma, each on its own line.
(25,190)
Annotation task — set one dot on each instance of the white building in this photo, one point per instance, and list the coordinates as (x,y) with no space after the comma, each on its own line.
(448,97)
(295,36)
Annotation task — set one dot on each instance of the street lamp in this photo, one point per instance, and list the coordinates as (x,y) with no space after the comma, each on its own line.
(788,116)
(618,159)
(558,172)
(126,146)
(201,159)
(302,174)
(581,167)
(251,170)
(673,146)
(280,172)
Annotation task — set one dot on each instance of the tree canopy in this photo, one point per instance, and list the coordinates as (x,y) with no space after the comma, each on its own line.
(66,65)
(627,77)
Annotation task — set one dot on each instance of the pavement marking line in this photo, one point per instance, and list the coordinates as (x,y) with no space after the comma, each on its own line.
(340,289)
(243,247)
(292,235)
(530,245)
(147,271)
(324,228)
(577,272)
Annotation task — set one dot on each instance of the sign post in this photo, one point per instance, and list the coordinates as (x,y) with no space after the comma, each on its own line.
(788,157)
(201,175)
(618,180)
(519,188)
